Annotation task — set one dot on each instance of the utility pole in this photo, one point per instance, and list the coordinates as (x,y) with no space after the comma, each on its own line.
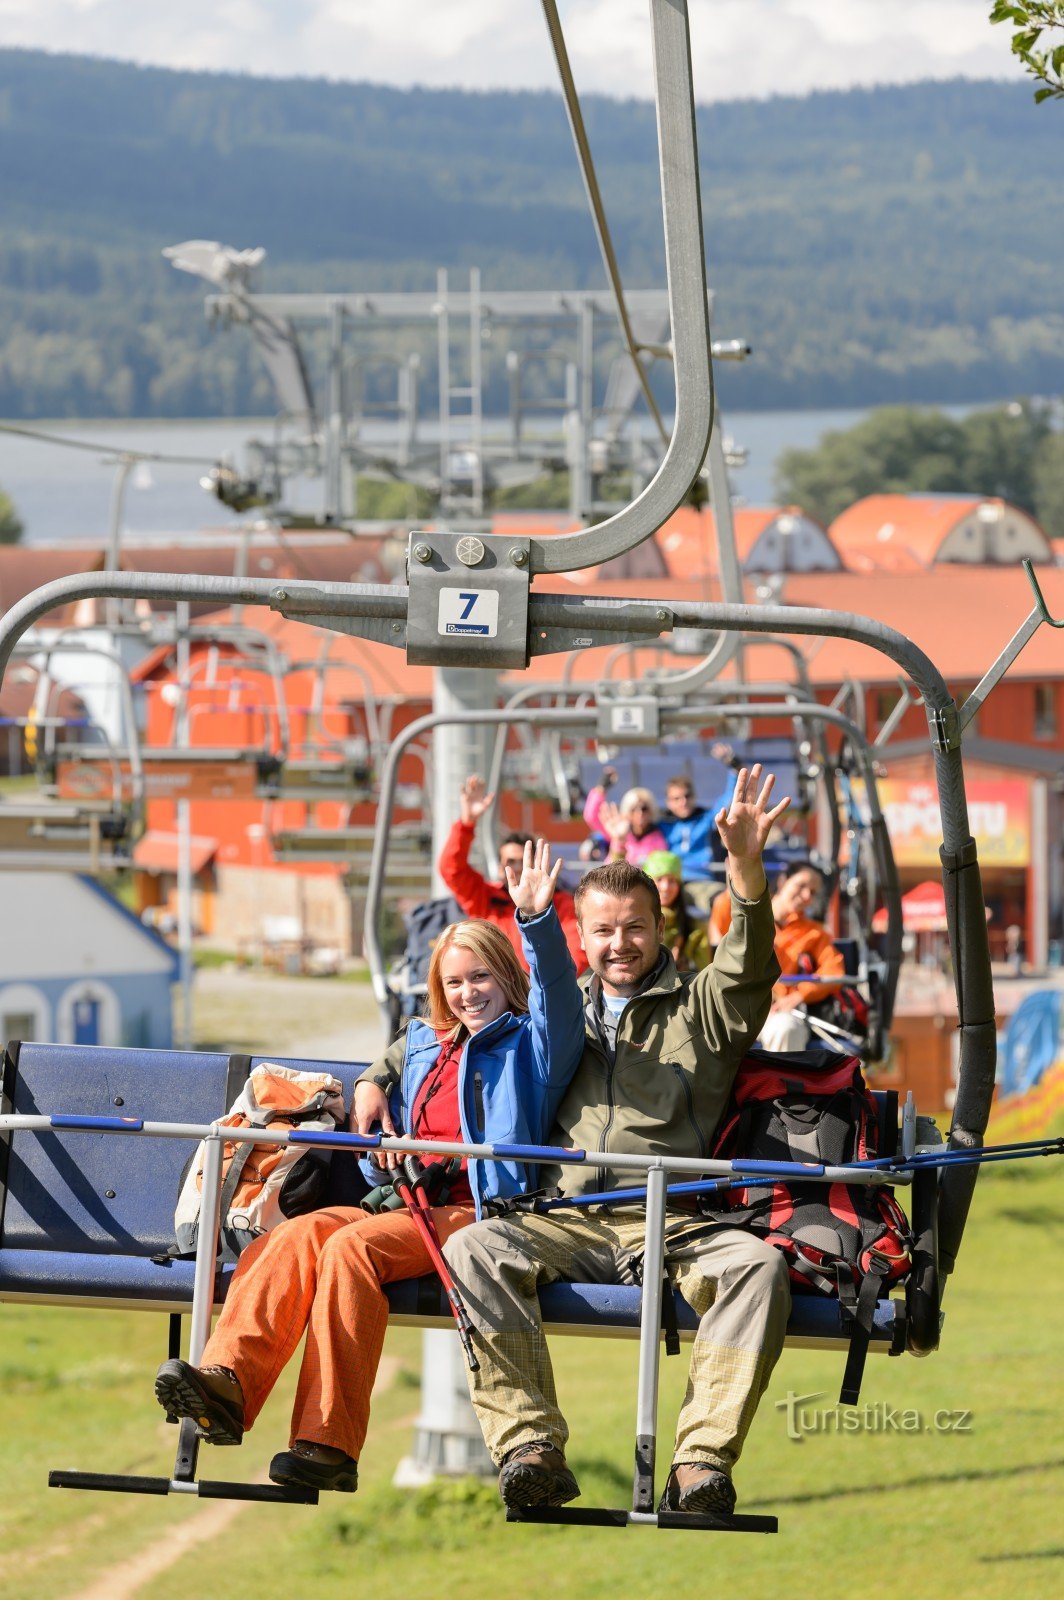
(447,1437)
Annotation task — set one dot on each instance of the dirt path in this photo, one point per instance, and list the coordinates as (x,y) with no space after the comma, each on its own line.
(264,1014)
(131,1578)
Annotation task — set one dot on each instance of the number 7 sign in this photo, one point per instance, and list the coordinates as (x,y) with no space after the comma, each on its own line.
(469,611)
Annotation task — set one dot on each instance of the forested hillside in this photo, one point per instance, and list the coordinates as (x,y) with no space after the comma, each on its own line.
(875,245)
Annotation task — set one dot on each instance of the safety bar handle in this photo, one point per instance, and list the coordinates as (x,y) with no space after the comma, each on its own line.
(343,1141)
(88,1124)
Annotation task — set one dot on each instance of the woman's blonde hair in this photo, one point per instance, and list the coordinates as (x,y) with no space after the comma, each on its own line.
(490,946)
(630,798)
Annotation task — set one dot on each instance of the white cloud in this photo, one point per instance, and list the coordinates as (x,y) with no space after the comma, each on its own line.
(741,47)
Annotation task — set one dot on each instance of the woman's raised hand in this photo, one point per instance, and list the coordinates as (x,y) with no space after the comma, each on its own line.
(532,889)
(615,823)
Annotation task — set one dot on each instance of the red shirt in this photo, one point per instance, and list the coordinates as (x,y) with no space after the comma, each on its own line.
(435,1115)
(490,901)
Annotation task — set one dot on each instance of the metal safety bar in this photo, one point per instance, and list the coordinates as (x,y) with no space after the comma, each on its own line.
(376,1143)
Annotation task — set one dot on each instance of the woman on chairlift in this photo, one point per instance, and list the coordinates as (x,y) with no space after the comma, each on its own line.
(488,1064)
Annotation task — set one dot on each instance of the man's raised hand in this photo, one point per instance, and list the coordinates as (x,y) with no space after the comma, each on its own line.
(532,889)
(744,826)
(473,800)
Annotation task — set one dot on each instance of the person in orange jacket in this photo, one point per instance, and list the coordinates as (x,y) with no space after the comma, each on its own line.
(802,945)
(477,895)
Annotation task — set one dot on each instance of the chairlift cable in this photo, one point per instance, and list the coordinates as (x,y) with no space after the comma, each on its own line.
(598,211)
(100,447)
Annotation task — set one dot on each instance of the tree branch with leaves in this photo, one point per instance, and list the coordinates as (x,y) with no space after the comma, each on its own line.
(1035,24)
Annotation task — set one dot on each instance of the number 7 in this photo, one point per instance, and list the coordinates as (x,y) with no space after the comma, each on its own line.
(470,600)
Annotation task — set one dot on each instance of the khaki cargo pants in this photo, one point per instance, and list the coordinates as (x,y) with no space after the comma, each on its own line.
(737,1284)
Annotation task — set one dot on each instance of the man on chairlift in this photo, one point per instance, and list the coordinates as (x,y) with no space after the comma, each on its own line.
(660,1054)
(690,831)
(477,895)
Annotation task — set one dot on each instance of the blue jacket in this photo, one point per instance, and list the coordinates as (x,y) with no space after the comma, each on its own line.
(696,841)
(511,1075)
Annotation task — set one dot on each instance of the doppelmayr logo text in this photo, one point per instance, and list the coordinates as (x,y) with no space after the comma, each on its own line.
(804,1417)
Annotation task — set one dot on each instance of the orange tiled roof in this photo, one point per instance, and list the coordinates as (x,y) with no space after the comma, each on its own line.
(869,534)
(961,616)
(301,643)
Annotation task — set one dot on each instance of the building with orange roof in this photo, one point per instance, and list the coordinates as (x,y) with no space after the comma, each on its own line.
(959,610)
(767,539)
(907,532)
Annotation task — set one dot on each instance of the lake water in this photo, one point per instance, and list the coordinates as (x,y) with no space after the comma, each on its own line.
(64,493)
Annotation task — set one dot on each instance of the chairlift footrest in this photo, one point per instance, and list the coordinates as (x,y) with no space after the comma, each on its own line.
(603,1517)
(205,1488)
(117,1483)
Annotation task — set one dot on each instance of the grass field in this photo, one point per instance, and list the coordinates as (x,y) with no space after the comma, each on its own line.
(899,1506)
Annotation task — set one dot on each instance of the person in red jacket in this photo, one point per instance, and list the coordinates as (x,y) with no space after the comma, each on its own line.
(480,898)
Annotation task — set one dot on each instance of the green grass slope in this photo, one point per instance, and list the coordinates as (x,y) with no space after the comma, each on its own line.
(899,1506)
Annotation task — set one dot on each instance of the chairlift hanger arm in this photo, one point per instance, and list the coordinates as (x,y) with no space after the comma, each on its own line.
(688,311)
(598,210)
(1023,635)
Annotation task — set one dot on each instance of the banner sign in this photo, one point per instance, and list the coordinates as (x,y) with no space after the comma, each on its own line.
(999,815)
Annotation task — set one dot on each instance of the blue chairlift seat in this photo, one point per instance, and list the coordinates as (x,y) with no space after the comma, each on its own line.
(82,1214)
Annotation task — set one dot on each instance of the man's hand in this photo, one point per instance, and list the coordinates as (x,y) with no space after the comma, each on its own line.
(785,997)
(532,890)
(370,1111)
(472,800)
(744,825)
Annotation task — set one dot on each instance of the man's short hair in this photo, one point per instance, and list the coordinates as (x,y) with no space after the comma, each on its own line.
(680,781)
(618,878)
(517,838)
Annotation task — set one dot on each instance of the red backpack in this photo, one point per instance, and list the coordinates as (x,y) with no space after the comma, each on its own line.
(846,1239)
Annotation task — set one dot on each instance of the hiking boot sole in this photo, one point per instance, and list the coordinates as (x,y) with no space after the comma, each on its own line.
(529,1488)
(708,1502)
(177,1389)
(703,1500)
(288,1468)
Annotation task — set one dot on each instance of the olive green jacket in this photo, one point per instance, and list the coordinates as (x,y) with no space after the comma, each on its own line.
(679,1044)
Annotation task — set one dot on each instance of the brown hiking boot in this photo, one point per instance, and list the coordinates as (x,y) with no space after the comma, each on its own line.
(315,1466)
(696,1488)
(211,1396)
(535,1474)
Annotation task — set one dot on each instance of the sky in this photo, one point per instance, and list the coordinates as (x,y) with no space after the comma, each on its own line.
(741,48)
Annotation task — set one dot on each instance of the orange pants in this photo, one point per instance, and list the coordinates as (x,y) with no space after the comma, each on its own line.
(321,1273)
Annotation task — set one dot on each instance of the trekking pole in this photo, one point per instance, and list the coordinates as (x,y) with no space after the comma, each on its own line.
(407,1187)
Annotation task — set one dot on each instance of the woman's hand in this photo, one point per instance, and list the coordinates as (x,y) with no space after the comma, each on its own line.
(369,1112)
(616,825)
(533,889)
